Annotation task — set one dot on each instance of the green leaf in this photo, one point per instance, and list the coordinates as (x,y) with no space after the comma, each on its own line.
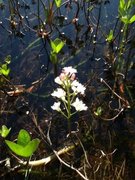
(16,148)
(23,138)
(122,4)
(110,37)
(31,147)
(5,72)
(4,131)
(132,19)
(98,112)
(4,66)
(129,3)
(57,45)
(4,69)
(125,19)
(26,151)
(121,7)
(24,146)
(58,3)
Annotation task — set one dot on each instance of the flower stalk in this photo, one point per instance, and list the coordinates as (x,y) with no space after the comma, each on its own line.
(68,103)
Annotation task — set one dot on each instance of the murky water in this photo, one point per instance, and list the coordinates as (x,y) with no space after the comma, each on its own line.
(30,54)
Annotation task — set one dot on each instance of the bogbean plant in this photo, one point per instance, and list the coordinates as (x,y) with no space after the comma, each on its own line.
(56,47)
(127,17)
(58,3)
(4,69)
(68,102)
(24,146)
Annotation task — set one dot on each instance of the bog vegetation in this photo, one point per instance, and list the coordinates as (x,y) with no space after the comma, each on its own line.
(67,83)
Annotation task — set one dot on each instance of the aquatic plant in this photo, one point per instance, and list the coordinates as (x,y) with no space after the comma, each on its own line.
(4,131)
(24,147)
(126,17)
(67,94)
(58,3)
(125,11)
(4,69)
(110,36)
(56,47)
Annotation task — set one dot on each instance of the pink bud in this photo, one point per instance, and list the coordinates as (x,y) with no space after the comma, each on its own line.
(62,76)
(73,76)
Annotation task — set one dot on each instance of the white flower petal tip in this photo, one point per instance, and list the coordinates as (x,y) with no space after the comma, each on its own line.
(59,93)
(77,87)
(56,106)
(69,70)
(58,80)
(79,105)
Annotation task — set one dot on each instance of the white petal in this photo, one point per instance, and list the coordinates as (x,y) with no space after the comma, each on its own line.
(77,87)
(59,93)
(79,105)
(58,81)
(69,70)
(56,106)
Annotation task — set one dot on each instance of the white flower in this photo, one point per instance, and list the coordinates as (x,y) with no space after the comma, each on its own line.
(77,87)
(59,93)
(69,70)
(56,106)
(79,105)
(58,80)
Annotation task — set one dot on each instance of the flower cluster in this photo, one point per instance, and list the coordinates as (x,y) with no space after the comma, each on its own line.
(67,93)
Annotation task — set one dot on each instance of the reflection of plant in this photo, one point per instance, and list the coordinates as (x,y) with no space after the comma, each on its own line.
(67,94)
(24,147)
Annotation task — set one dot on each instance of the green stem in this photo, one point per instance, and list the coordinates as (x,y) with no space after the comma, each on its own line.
(120,59)
(64,114)
(68,107)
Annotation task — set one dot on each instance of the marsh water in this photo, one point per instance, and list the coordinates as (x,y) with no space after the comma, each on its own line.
(26,29)
(21,38)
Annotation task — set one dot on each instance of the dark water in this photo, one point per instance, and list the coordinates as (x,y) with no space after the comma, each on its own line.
(30,53)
